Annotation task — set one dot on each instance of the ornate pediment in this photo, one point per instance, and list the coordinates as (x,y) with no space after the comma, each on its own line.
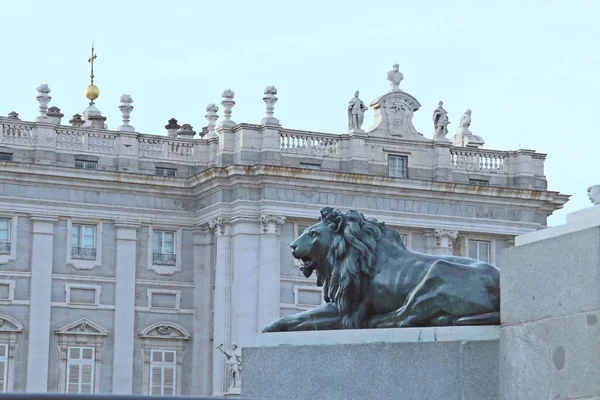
(9,324)
(82,326)
(165,330)
(394,116)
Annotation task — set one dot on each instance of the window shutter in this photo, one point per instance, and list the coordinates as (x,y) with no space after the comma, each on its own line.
(162,372)
(169,381)
(73,379)
(156,381)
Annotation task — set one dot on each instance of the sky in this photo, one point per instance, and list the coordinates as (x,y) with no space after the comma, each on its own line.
(529,70)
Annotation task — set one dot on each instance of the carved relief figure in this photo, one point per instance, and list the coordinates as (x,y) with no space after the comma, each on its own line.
(440,122)
(371,280)
(234,362)
(356,112)
(395,77)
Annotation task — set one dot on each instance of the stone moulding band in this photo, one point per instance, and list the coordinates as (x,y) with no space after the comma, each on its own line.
(398,335)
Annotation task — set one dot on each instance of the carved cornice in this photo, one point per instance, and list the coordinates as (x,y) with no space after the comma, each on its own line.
(218,224)
(271,223)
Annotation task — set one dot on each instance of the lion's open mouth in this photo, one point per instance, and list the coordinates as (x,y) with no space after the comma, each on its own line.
(308,265)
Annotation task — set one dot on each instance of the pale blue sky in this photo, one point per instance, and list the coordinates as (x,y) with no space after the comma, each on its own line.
(529,70)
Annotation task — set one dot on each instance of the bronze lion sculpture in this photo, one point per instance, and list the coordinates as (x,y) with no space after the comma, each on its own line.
(371,280)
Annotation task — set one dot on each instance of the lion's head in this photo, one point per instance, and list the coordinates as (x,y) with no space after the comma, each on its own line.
(341,249)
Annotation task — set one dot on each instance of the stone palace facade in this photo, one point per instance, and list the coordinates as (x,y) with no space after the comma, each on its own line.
(126,259)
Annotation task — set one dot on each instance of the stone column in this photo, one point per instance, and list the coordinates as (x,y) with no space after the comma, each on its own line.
(42,243)
(122,376)
(441,241)
(221,302)
(269,275)
(203,281)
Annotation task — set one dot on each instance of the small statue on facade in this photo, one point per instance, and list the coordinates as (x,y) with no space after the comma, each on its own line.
(234,362)
(395,77)
(440,122)
(594,194)
(465,123)
(356,113)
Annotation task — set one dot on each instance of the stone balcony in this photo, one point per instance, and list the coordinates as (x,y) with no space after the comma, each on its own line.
(248,144)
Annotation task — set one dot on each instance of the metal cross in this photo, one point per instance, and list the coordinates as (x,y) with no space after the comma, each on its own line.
(91,61)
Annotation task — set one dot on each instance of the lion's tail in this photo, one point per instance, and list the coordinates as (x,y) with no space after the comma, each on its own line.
(492,318)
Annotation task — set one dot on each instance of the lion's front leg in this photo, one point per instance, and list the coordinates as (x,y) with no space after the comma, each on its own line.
(323,317)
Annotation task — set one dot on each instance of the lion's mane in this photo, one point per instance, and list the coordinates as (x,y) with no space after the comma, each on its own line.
(352,257)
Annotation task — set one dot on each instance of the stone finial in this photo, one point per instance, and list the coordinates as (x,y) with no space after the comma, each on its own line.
(594,194)
(43,98)
(186,131)
(172,127)
(203,132)
(126,108)
(395,77)
(55,115)
(211,117)
(13,115)
(227,102)
(76,121)
(464,137)
(270,99)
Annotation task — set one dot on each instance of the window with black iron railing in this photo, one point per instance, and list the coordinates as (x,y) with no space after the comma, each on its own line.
(164,259)
(83,253)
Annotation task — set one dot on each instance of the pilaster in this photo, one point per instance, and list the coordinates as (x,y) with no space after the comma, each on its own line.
(203,284)
(441,241)
(42,246)
(124,326)
(222,301)
(269,270)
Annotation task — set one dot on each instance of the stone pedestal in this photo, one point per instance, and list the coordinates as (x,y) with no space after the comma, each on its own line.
(550,291)
(450,363)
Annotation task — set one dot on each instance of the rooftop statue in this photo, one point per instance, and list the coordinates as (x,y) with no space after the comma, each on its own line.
(371,280)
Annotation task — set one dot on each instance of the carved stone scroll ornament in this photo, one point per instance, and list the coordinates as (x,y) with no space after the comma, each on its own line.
(271,223)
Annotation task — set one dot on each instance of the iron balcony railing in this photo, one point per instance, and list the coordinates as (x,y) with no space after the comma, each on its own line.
(4,247)
(164,259)
(83,253)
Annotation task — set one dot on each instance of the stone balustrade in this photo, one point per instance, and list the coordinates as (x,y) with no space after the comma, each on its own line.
(357,153)
(489,161)
(309,143)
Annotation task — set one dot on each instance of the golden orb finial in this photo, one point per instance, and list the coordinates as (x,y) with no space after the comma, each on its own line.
(92,92)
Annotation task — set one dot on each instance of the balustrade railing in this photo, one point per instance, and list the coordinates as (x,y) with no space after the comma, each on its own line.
(19,134)
(85,140)
(309,143)
(171,149)
(478,160)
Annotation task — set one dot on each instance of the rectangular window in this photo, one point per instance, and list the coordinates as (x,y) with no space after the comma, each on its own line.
(166,171)
(310,166)
(479,182)
(162,373)
(80,370)
(82,296)
(404,239)
(479,250)
(86,164)
(163,248)
(3,367)
(6,157)
(83,242)
(5,236)
(398,166)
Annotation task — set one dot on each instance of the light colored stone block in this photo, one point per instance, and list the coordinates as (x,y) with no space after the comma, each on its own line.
(451,363)
(550,278)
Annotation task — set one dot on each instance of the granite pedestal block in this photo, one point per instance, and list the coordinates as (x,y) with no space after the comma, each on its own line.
(550,291)
(449,363)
